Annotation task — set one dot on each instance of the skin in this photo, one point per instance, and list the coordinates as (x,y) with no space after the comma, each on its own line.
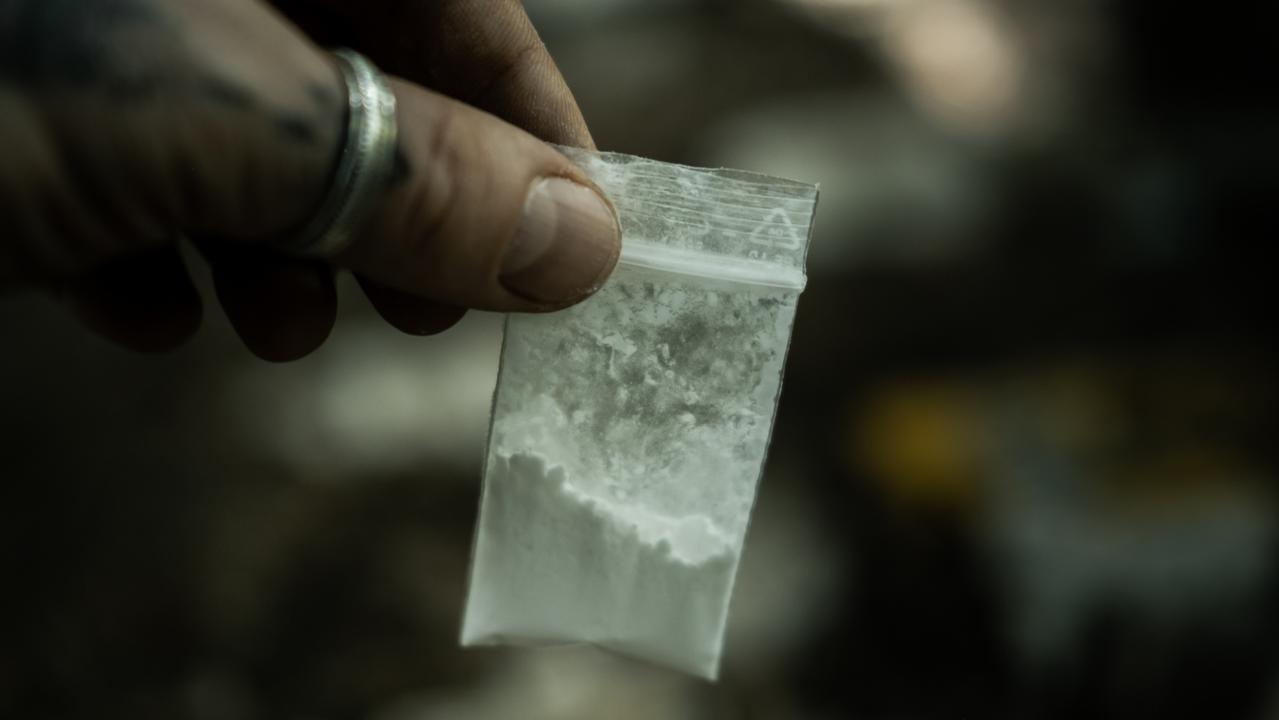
(126,124)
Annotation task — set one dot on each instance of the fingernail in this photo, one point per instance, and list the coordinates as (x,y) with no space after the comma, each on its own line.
(567,242)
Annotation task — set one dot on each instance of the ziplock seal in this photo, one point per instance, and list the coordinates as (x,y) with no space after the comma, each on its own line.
(741,271)
(722,225)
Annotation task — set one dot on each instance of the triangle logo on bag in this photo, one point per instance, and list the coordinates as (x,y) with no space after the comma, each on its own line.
(776,231)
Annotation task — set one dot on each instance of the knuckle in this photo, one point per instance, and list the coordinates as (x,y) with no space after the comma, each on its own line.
(437,188)
(507,67)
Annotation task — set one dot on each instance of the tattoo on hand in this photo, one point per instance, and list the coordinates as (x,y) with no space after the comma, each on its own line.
(115,48)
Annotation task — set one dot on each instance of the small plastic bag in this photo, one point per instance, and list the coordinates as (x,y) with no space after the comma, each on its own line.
(629,431)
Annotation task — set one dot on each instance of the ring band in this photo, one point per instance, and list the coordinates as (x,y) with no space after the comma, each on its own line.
(364,167)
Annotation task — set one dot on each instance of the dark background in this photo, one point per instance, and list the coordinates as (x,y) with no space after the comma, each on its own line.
(1024,465)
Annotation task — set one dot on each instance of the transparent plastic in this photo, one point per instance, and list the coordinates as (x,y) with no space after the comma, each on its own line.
(629,432)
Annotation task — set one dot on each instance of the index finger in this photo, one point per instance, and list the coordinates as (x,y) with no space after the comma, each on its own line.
(485,53)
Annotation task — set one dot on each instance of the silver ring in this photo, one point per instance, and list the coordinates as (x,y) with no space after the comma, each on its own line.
(364,167)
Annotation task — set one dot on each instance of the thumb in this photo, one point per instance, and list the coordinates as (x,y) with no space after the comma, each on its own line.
(233,138)
(482,214)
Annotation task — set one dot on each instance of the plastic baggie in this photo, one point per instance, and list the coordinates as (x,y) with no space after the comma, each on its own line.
(629,432)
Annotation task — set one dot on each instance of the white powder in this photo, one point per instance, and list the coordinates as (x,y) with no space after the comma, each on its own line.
(590,569)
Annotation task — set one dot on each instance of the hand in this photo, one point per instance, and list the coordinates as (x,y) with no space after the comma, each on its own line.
(127,123)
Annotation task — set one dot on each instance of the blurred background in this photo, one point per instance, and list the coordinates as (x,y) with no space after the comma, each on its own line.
(1024,465)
